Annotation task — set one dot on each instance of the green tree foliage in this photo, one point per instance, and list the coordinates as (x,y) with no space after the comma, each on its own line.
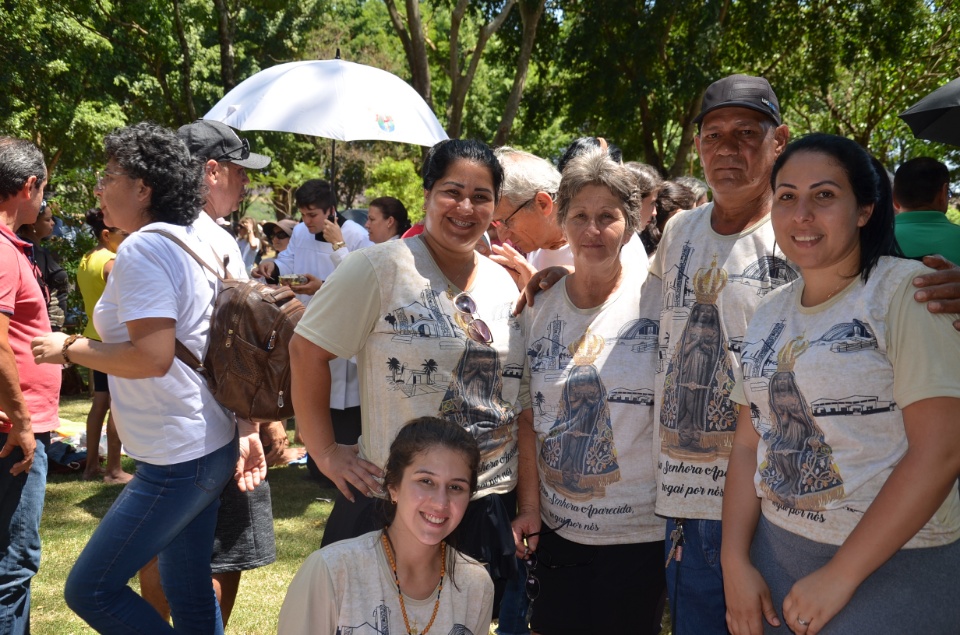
(400,180)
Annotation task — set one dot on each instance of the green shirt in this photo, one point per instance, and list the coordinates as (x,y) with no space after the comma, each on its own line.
(928,232)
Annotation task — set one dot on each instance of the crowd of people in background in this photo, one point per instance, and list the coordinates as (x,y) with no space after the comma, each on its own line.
(769,356)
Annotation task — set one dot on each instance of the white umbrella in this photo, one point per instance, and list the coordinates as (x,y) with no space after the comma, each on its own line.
(332,99)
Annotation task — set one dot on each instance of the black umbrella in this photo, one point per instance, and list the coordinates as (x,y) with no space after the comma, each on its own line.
(936,117)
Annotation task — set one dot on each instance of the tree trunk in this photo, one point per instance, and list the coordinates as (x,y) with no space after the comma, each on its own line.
(414,46)
(460,83)
(530,13)
(186,65)
(225,35)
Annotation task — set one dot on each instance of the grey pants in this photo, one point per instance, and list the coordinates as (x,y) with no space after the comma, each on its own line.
(915,591)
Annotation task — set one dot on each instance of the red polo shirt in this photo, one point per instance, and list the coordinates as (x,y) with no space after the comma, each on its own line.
(22,300)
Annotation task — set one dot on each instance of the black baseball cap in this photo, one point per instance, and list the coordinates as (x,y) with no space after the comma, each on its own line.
(214,140)
(744,91)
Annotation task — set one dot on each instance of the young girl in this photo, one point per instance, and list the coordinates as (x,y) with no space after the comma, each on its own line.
(406,578)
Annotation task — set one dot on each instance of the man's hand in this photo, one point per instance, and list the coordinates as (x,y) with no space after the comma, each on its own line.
(540,281)
(274,438)
(940,289)
(252,465)
(331,231)
(311,286)
(266,269)
(514,262)
(20,437)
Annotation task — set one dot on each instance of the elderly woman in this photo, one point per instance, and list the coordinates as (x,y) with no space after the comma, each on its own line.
(433,336)
(183,440)
(587,470)
(840,513)
(386,219)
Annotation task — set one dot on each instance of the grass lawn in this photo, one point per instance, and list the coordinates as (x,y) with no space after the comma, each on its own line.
(74,507)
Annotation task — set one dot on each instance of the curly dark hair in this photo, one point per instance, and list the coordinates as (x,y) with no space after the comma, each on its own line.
(157,155)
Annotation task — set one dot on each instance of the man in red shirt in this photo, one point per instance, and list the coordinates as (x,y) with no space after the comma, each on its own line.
(29,393)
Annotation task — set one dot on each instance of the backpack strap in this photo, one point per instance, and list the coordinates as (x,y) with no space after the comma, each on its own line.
(181,351)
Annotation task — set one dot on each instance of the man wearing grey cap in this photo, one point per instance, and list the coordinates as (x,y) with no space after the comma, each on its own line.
(244,537)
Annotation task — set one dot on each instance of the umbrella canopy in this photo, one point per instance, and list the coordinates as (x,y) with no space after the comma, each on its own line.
(936,117)
(332,99)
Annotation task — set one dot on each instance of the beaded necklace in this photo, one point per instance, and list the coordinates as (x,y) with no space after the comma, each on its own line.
(403,609)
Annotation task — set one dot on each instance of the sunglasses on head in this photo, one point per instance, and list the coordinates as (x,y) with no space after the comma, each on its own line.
(239,154)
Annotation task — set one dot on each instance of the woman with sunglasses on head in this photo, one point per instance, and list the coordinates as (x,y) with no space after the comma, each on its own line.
(407,577)
(184,442)
(92,274)
(841,513)
(587,528)
(430,323)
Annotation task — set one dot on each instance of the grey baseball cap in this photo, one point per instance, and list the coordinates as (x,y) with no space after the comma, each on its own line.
(214,140)
(744,91)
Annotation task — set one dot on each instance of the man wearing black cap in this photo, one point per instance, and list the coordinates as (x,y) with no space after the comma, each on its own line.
(712,267)
(244,538)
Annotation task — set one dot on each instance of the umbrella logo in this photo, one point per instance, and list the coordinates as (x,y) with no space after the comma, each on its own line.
(386,123)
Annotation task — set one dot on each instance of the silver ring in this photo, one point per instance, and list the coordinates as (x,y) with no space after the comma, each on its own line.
(802,622)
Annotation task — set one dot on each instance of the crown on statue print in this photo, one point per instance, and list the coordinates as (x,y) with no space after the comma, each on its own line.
(788,355)
(708,283)
(586,349)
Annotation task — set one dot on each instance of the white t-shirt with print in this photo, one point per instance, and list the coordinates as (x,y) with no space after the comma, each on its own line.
(710,285)
(591,387)
(174,418)
(391,306)
(348,587)
(827,386)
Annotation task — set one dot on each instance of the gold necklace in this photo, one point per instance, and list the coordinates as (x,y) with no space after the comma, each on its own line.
(451,294)
(403,608)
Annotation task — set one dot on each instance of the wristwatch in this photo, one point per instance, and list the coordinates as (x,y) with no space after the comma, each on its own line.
(338,245)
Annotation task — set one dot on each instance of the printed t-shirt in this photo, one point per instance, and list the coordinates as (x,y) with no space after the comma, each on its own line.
(710,285)
(591,387)
(391,306)
(92,283)
(826,387)
(22,301)
(348,587)
(173,418)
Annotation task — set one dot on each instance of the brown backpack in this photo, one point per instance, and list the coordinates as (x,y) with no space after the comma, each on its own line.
(247,365)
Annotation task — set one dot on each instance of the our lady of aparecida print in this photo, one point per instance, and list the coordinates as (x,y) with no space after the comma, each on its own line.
(697,420)
(799,471)
(578,457)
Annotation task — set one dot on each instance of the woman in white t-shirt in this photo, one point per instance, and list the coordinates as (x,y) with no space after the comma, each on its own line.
(841,513)
(407,577)
(184,442)
(588,473)
(430,323)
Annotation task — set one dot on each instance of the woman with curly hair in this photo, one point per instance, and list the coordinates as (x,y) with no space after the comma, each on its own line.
(185,443)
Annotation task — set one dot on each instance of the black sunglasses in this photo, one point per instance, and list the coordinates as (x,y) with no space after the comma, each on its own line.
(243,150)
(532,561)
(280,235)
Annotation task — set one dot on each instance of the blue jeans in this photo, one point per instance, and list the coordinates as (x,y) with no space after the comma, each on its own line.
(515,605)
(695,584)
(21,504)
(168,511)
